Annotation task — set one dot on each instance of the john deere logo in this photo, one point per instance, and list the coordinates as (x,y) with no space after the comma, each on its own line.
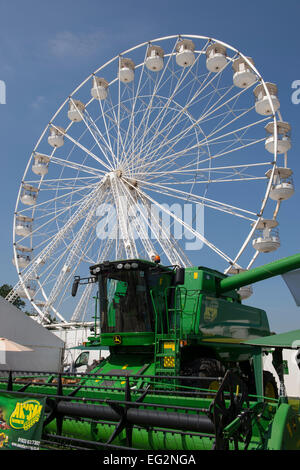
(211,309)
(117,339)
(25,414)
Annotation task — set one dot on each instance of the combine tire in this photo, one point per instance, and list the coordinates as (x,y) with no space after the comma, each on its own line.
(270,385)
(204,367)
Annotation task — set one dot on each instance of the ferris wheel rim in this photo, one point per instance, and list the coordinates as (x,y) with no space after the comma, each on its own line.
(266,196)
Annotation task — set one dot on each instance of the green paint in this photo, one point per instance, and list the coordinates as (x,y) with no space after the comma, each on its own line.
(285,433)
(154,327)
(266,271)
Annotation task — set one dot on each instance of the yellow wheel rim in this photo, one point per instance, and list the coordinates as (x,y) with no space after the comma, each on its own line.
(214,386)
(269,390)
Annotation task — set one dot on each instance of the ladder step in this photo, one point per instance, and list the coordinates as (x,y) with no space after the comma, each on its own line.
(166,354)
(166,338)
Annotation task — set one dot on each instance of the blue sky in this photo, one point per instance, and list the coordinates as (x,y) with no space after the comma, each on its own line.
(47,49)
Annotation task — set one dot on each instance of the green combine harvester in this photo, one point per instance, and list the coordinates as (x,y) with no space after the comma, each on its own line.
(184,371)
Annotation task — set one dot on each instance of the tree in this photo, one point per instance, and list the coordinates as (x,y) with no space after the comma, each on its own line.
(5,290)
(52,319)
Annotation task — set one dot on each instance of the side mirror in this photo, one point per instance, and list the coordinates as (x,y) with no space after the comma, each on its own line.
(82,359)
(75,286)
(179,276)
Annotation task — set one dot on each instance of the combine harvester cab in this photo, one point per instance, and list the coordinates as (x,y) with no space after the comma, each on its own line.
(184,370)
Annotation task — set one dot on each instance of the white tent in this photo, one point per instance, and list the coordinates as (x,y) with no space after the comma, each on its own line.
(47,349)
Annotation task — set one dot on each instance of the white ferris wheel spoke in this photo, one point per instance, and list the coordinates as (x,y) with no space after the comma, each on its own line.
(193,147)
(76,166)
(98,137)
(85,117)
(126,236)
(206,139)
(47,251)
(194,170)
(64,289)
(184,109)
(104,119)
(147,112)
(173,191)
(50,268)
(188,104)
(167,242)
(75,246)
(131,120)
(172,250)
(63,196)
(84,180)
(185,132)
(204,203)
(140,229)
(82,147)
(198,168)
(188,227)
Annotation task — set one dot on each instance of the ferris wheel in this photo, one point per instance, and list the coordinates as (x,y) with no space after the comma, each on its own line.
(177,122)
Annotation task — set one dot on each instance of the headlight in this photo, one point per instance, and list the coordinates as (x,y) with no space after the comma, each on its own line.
(119,266)
(127,266)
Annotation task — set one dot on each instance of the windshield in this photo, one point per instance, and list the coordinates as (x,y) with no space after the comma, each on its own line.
(126,306)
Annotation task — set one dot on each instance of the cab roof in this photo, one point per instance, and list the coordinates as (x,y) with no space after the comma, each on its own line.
(142,264)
